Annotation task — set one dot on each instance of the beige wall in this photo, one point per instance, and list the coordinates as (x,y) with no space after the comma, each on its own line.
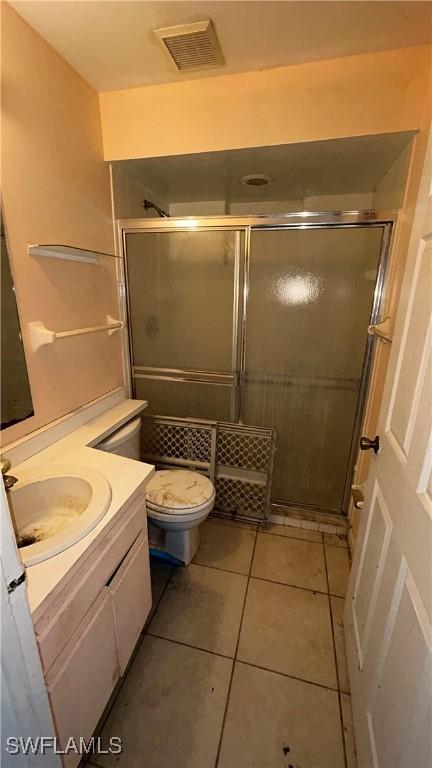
(55,189)
(199,208)
(353,96)
(389,193)
(401,236)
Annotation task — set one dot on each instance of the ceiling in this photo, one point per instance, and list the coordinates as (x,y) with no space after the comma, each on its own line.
(112,44)
(333,167)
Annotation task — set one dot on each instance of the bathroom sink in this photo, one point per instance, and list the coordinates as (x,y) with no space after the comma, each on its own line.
(54,506)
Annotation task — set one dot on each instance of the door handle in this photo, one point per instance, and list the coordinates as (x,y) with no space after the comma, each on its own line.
(366,444)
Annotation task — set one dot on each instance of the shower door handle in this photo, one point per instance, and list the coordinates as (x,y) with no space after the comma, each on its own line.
(366,444)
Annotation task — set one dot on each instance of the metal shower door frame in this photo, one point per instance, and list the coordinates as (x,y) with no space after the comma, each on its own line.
(219,378)
(246,225)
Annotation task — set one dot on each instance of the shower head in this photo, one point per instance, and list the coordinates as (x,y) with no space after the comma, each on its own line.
(147,204)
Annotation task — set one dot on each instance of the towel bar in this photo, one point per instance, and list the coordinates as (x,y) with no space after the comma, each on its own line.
(41,335)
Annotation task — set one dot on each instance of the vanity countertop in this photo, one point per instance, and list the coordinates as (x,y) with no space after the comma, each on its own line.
(126,477)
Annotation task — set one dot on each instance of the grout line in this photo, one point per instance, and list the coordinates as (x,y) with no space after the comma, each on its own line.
(329,543)
(162,594)
(188,645)
(252,528)
(235,654)
(295,538)
(101,724)
(336,662)
(271,581)
(246,663)
(245,526)
(217,568)
(296,586)
(286,674)
(309,541)
(292,586)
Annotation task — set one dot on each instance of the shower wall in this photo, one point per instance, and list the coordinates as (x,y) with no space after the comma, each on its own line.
(359,201)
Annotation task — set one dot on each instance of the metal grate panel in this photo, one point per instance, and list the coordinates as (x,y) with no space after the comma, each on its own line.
(238,459)
(243,447)
(174,441)
(240,498)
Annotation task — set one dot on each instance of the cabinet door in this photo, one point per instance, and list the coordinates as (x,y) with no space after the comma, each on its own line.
(84,675)
(60,620)
(131,597)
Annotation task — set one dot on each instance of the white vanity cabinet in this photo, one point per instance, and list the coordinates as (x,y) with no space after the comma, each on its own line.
(86,637)
(83,677)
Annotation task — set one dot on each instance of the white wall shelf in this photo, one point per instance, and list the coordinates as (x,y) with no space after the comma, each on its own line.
(67,253)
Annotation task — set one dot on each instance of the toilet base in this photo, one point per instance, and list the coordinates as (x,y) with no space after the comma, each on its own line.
(181,544)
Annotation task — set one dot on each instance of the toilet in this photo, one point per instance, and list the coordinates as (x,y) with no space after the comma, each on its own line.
(124,441)
(177,500)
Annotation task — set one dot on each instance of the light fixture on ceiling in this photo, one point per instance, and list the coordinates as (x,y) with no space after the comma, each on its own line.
(255,180)
(192,46)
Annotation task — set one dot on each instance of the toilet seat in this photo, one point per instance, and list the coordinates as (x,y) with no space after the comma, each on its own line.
(179,493)
(179,512)
(180,519)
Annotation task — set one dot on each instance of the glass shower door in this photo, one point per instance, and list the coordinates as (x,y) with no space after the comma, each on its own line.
(183,307)
(310,297)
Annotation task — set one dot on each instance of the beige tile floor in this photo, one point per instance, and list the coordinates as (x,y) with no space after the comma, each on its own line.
(242,663)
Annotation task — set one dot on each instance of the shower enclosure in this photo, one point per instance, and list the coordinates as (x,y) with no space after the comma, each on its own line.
(262,321)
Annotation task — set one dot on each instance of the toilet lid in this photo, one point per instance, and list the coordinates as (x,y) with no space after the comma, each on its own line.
(179,489)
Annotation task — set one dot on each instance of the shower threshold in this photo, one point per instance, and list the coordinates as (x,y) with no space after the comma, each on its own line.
(308,517)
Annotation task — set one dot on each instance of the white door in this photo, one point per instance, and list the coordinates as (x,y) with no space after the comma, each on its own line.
(389,603)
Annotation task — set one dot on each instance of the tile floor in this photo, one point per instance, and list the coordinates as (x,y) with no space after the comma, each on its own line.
(242,663)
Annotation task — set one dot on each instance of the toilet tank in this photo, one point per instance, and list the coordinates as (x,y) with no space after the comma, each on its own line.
(125,441)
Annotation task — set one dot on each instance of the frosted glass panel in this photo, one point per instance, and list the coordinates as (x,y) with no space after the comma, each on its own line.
(178,398)
(181,293)
(310,300)
(310,297)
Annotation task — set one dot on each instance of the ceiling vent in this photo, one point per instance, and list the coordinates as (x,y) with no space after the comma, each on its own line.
(192,46)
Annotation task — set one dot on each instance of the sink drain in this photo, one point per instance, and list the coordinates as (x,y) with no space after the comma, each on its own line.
(26,540)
